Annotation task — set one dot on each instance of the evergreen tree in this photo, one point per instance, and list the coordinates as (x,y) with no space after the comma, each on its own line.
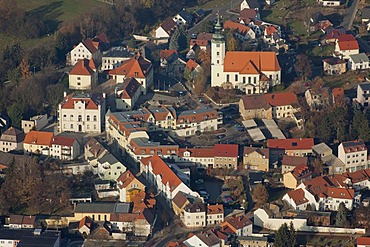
(282,236)
(292,235)
(174,40)
(341,218)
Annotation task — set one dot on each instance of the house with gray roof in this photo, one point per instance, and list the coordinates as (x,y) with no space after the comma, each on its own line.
(358,61)
(109,167)
(183,18)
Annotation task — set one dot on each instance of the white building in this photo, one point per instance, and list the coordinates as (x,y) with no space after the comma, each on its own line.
(137,67)
(346,45)
(330,3)
(183,18)
(251,72)
(127,93)
(114,58)
(88,49)
(215,214)
(195,215)
(35,123)
(64,148)
(203,239)
(335,196)
(353,154)
(363,94)
(300,198)
(11,139)
(240,225)
(83,76)
(81,113)
(165,30)
(249,4)
(358,61)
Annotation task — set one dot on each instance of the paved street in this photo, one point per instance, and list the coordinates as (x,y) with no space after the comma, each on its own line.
(350,15)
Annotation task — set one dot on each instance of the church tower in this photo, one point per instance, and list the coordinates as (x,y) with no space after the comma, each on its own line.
(217,55)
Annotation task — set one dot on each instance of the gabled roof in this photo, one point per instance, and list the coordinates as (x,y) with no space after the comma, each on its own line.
(39,138)
(281,99)
(164,54)
(63,141)
(203,39)
(359,58)
(195,207)
(353,146)
(226,150)
(235,61)
(291,144)
(208,237)
(363,240)
(238,27)
(238,222)
(160,168)
(186,16)
(253,4)
(301,171)
(247,14)
(347,42)
(125,179)
(89,44)
(22,219)
(342,193)
(255,101)
(294,160)
(270,29)
(334,61)
(102,37)
(129,88)
(137,67)
(180,199)
(85,221)
(82,67)
(262,151)
(191,64)
(18,134)
(298,196)
(202,152)
(91,101)
(215,209)
(168,25)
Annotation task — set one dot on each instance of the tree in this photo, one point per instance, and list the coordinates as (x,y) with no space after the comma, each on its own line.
(361,125)
(15,112)
(303,66)
(309,207)
(24,69)
(200,83)
(13,75)
(174,40)
(285,236)
(232,44)
(292,235)
(260,195)
(317,167)
(341,218)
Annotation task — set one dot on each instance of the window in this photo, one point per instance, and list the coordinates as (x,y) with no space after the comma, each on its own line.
(136,74)
(88,118)
(78,78)
(218,74)
(94,118)
(71,126)
(218,53)
(79,118)
(227,78)
(236,77)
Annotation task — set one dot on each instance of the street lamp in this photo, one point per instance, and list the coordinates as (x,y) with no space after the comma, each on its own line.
(34,69)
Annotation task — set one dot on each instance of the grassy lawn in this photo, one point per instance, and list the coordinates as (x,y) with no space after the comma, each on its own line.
(322,51)
(216,3)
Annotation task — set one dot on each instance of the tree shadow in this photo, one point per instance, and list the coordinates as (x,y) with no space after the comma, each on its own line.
(335,18)
(49,13)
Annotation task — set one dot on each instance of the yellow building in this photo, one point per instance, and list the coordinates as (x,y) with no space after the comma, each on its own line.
(128,186)
(256,158)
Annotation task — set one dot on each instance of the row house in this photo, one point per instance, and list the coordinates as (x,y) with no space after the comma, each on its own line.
(167,183)
(136,67)
(45,143)
(22,222)
(354,155)
(256,158)
(293,147)
(11,139)
(198,215)
(218,156)
(83,75)
(81,113)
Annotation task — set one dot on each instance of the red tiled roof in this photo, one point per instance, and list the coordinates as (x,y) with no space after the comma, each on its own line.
(291,144)
(215,209)
(281,99)
(39,138)
(162,169)
(198,152)
(342,193)
(136,67)
(191,64)
(363,241)
(63,141)
(102,37)
(338,93)
(90,102)
(298,196)
(347,42)
(240,28)
(85,221)
(235,61)
(82,67)
(270,30)
(237,222)
(226,150)
(301,171)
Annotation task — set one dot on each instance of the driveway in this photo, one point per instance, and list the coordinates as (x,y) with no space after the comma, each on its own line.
(350,14)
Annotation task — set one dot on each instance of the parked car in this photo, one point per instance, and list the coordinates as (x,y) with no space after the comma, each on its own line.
(199,181)
(204,194)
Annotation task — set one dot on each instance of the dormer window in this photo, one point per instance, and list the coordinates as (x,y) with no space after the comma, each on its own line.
(136,74)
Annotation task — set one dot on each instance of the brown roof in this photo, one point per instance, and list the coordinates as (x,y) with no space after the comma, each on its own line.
(281,99)
(338,93)
(363,241)
(168,25)
(298,196)
(301,171)
(95,147)
(39,138)
(291,144)
(353,146)
(180,199)
(226,150)
(129,88)
(247,14)
(333,61)
(123,217)
(215,209)
(125,179)
(198,152)
(236,61)
(63,141)
(85,221)
(203,39)
(19,134)
(269,30)
(82,67)
(238,222)
(294,160)
(262,151)
(191,64)
(342,193)
(22,219)
(89,44)
(255,101)
(208,237)
(195,207)
(102,37)
(166,53)
(16,219)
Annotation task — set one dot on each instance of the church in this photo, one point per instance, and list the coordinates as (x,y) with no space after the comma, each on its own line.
(251,72)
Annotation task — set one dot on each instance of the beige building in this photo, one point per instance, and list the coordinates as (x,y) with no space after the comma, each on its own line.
(38,142)
(288,163)
(98,211)
(35,123)
(195,215)
(179,202)
(253,241)
(255,106)
(11,139)
(292,146)
(84,75)
(82,113)
(334,66)
(256,158)
(226,156)
(127,93)
(295,177)
(64,148)
(128,186)
(88,49)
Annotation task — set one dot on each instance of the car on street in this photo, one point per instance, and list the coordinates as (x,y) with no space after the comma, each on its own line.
(199,181)
(221,136)
(204,194)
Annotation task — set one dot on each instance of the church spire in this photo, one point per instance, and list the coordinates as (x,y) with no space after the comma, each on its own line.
(217,36)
